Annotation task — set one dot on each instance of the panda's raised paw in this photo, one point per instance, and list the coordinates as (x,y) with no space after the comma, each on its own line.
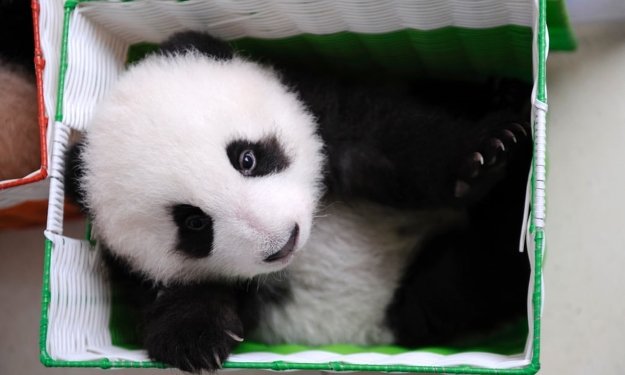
(193,328)
(482,167)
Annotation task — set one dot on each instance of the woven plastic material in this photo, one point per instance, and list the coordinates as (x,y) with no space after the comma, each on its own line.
(398,47)
(78,307)
(82,327)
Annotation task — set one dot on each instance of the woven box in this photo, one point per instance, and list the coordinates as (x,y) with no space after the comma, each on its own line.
(81,326)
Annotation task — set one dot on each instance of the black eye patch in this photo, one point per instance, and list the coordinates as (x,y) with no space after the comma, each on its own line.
(268,154)
(195,230)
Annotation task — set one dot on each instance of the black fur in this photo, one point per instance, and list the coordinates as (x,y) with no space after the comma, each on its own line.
(74,172)
(191,327)
(208,45)
(195,231)
(408,151)
(270,155)
(132,294)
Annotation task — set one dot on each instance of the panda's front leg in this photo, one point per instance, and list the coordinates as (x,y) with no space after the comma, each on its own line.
(193,327)
(428,159)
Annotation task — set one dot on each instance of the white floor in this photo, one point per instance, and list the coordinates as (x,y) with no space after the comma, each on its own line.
(584,318)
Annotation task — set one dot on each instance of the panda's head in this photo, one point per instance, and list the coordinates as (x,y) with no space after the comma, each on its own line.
(199,165)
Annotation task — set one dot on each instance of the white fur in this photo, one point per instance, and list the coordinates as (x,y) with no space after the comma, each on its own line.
(159,139)
(345,277)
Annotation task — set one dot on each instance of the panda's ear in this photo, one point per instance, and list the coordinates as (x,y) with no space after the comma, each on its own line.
(74,172)
(186,41)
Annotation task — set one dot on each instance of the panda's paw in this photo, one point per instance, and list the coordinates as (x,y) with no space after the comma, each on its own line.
(194,351)
(482,167)
(509,93)
(193,335)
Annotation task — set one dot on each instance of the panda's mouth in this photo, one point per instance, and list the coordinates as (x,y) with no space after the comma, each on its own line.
(286,250)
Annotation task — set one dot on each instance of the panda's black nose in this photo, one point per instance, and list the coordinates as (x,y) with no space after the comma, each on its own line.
(287,249)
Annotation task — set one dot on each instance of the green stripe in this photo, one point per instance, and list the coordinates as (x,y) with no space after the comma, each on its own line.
(542,52)
(539,234)
(69,7)
(448,52)
(332,366)
(537,299)
(45,304)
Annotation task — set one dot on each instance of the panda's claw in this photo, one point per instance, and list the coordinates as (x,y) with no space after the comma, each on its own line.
(493,150)
(471,167)
(478,171)
(521,128)
(234,337)
(477,156)
(499,144)
(217,360)
(508,135)
(461,189)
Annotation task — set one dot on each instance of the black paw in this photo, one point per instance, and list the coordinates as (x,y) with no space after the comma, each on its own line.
(510,94)
(483,167)
(193,328)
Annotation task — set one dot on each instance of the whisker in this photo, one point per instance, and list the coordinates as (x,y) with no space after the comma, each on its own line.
(318,216)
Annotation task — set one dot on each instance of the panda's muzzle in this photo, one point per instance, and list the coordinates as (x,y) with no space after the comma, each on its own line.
(287,249)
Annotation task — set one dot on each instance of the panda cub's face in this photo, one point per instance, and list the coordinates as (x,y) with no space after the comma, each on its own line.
(197,168)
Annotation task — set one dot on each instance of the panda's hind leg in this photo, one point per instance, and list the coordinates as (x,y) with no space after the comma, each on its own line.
(471,279)
(461,286)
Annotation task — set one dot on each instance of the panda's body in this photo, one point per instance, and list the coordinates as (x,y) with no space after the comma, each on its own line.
(204,173)
(341,284)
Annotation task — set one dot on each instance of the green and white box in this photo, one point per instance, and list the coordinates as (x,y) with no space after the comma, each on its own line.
(87,44)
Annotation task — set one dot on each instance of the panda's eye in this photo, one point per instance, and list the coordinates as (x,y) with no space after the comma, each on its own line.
(195,230)
(257,159)
(247,162)
(196,222)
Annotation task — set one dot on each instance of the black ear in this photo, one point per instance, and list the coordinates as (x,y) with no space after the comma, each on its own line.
(74,171)
(204,43)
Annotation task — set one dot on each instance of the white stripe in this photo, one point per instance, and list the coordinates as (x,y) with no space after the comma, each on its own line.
(134,21)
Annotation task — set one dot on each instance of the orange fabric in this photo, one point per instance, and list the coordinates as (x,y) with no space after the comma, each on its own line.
(32,213)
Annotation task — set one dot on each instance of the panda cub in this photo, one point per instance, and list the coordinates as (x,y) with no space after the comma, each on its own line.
(234,201)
